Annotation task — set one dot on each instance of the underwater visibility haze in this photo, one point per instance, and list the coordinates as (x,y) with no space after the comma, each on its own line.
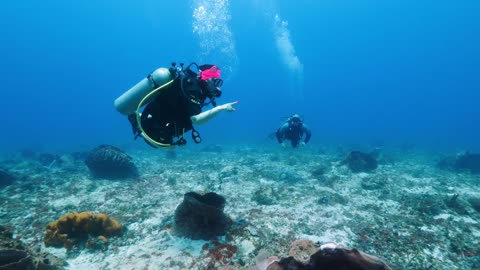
(356,70)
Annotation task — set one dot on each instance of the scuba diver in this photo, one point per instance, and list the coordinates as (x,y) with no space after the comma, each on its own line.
(173,99)
(293,129)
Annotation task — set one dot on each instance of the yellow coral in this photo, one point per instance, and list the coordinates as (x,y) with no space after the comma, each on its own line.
(69,229)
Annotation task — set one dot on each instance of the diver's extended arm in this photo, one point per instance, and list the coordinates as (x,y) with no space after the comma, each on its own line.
(206,116)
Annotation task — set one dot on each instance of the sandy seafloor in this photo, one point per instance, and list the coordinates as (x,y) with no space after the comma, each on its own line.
(405,212)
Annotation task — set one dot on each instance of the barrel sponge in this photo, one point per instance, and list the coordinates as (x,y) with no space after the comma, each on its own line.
(200,216)
(358,162)
(72,228)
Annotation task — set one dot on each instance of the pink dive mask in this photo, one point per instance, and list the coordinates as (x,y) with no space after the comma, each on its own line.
(211,77)
(211,73)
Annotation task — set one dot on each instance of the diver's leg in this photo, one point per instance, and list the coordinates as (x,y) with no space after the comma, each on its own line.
(294,143)
(279,136)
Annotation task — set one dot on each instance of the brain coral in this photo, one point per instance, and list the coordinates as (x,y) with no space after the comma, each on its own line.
(109,162)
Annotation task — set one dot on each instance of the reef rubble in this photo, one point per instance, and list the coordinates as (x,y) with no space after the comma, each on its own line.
(410,213)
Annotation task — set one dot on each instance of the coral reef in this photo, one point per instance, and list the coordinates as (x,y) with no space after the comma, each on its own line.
(468,162)
(265,196)
(358,161)
(71,229)
(301,250)
(422,218)
(374,182)
(463,162)
(330,198)
(16,255)
(457,205)
(213,148)
(6,178)
(475,203)
(319,172)
(47,159)
(109,162)
(220,254)
(79,155)
(446,163)
(200,216)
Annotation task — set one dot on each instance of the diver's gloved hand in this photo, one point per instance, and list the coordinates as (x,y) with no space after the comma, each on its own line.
(283,144)
(302,144)
(228,106)
(206,116)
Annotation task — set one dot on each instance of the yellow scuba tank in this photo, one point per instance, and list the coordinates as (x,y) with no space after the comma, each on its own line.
(128,102)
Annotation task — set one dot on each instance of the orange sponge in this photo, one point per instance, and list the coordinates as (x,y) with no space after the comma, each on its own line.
(72,228)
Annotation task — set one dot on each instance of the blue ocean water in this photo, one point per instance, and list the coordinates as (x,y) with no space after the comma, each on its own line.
(359,72)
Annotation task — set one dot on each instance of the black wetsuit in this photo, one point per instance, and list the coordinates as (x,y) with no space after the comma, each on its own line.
(294,133)
(168,115)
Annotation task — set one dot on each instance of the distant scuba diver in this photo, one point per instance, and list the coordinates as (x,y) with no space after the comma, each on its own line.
(174,99)
(293,129)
